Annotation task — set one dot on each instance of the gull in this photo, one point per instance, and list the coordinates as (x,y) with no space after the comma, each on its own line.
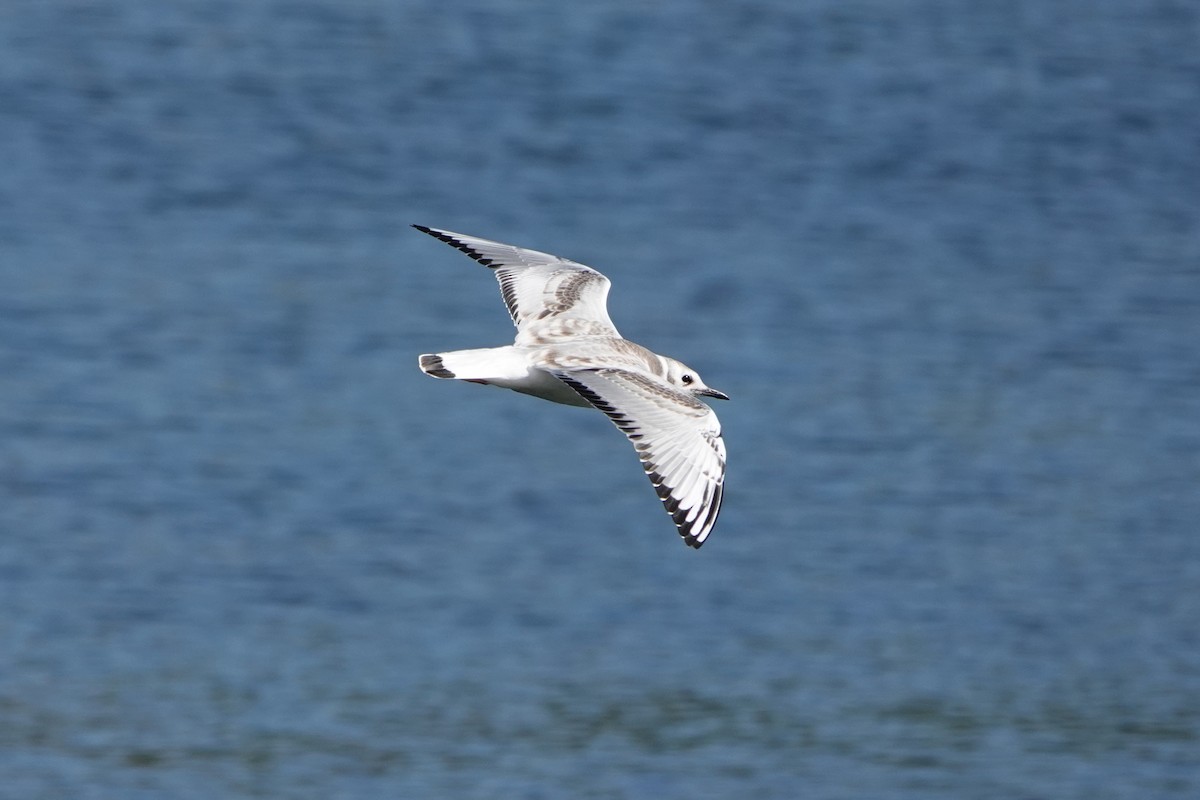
(568,351)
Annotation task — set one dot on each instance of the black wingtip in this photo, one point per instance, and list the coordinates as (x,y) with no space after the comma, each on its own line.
(455,243)
(437,234)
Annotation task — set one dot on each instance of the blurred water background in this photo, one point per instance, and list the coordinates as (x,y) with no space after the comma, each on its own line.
(944,256)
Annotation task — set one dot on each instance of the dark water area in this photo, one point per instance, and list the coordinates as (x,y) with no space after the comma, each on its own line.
(944,257)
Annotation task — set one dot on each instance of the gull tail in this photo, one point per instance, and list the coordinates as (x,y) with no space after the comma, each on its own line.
(482,365)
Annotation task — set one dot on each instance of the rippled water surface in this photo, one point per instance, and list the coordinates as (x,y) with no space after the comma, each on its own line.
(945,259)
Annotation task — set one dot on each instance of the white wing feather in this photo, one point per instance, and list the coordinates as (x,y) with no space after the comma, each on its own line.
(547,296)
(677,438)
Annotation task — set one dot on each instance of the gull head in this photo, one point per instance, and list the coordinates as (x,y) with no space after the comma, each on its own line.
(688,380)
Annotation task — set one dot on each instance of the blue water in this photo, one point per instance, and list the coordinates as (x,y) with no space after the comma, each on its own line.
(945,257)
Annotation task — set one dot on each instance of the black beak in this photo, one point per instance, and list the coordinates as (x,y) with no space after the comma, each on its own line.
(713,393)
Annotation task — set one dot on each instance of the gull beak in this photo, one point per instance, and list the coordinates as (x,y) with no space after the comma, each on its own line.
(712,393)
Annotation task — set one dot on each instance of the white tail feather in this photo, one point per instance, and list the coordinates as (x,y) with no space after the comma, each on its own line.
(486,364)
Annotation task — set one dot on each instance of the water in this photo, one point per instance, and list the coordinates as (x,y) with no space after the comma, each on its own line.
(946,260)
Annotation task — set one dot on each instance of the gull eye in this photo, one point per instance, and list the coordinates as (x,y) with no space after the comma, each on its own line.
(687,379)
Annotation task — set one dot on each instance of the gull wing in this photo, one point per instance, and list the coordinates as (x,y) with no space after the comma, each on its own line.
(548,297)
(677,438)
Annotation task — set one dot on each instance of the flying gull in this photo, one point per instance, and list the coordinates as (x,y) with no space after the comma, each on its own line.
(568,351)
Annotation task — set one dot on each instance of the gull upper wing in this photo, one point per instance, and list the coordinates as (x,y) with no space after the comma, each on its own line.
(677,438)
(547,296)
